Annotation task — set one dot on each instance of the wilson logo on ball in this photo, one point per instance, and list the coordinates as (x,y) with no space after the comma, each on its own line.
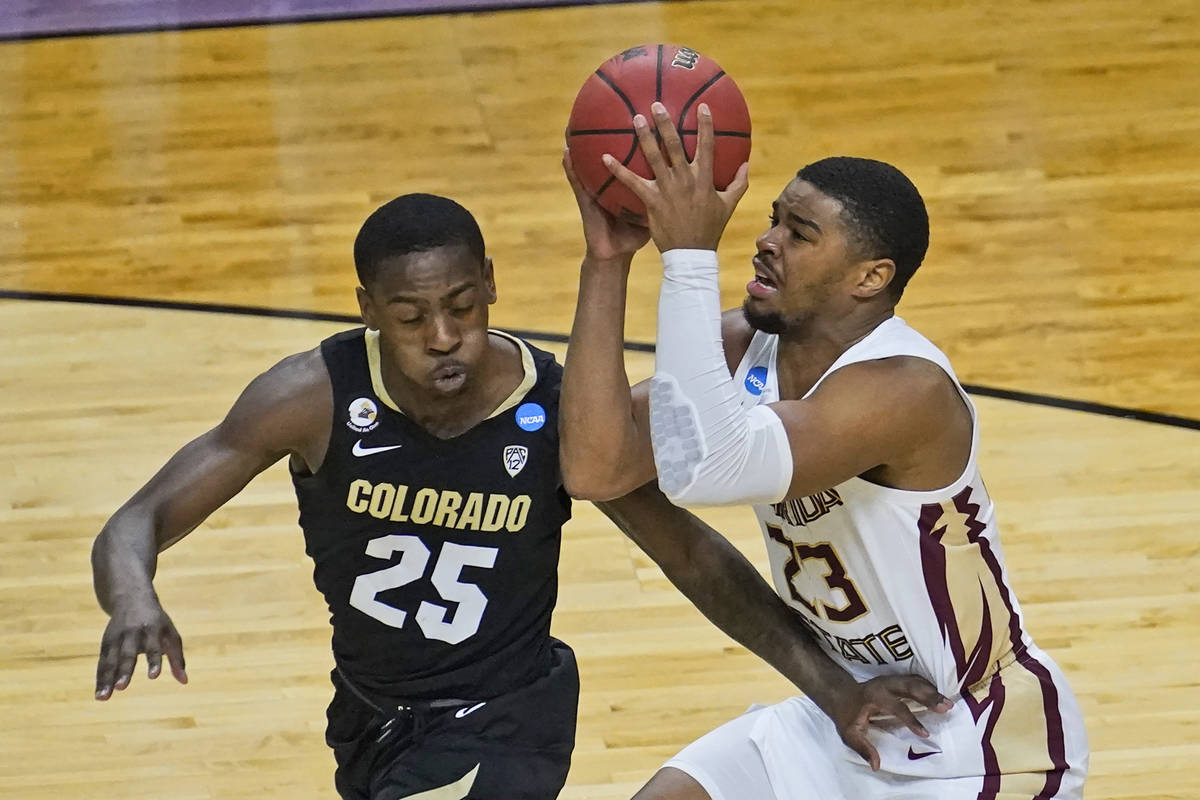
(686,58)
(627,84)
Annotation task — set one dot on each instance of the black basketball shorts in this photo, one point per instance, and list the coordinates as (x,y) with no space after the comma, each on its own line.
(513,747)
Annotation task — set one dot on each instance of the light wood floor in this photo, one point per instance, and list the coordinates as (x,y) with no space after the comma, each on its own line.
(1058,146)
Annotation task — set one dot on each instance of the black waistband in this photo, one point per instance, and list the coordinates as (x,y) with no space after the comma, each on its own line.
(391,705)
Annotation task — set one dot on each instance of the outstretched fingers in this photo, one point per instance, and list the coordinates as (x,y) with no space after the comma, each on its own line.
(106,669)
(127,652)
(119,651)
(900,710)
(855,737)
(648,143)
(920,690)
(732,194)
(172,646)
(705,143)
(672,145)
(628,178)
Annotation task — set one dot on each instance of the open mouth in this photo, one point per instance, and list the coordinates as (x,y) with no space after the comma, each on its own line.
(449,377)
(764,284)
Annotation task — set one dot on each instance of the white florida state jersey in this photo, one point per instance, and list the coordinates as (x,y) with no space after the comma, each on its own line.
(893,581)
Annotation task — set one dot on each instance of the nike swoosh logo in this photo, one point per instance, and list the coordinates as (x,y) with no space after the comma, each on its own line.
(462,712)
(451,791)
(917,756)
(359,450)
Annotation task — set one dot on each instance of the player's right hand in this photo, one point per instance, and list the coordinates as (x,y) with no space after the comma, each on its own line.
(684,207)
(884,702)
(133,628)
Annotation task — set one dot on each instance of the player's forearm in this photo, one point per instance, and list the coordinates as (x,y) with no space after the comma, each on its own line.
(728,590)
(598,434)
(708,449)
(124,559)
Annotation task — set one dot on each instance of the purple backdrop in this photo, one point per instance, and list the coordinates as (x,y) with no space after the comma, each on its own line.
(37,18)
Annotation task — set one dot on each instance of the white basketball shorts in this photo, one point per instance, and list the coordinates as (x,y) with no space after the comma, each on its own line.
(1016,734)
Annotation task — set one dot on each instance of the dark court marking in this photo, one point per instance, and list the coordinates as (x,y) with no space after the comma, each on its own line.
(1030,398)
(251,311)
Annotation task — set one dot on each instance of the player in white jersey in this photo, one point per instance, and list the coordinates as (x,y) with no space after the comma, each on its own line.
(852,438)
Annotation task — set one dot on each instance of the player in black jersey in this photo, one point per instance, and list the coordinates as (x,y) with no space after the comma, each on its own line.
(424,453)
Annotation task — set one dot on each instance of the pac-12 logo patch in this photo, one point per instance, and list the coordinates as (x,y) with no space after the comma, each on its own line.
(363,415)
(515,456)
(756,380)
(531,417)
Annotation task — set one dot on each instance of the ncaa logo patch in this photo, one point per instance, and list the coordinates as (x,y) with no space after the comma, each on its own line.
(364,415)
(531,417)
(756,380)
(515,456)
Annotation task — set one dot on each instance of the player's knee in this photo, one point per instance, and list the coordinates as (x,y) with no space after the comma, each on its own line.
(672,784)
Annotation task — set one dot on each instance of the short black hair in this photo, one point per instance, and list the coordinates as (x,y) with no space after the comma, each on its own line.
(410,224)
(883,211)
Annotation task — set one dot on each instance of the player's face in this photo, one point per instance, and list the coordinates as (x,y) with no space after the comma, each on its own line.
(431,311)
(804,262)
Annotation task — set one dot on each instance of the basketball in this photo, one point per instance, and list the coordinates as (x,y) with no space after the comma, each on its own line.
(681,79)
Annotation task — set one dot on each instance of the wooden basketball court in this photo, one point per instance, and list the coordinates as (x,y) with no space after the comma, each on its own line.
(1057,145)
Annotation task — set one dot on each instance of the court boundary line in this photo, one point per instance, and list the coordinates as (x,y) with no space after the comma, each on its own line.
(303,19)
(1030,398)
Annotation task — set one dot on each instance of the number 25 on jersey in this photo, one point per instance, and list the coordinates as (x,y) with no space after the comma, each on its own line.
(414,558)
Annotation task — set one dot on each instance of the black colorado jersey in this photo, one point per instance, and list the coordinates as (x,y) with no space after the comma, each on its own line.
(438,558)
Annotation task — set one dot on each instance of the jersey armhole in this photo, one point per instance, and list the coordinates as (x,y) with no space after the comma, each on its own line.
(736,336)
(327,379)
(969,468)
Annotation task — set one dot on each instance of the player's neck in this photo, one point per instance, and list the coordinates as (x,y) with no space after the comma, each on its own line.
(808,349)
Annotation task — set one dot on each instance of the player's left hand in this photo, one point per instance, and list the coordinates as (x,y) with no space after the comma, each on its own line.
(685,209)
(882,700)
(607,238)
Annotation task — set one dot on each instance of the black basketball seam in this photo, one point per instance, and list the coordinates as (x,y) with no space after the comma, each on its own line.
(624,162)
(620,94)
(600,131)
(696,132)
(694,97)
(658,76)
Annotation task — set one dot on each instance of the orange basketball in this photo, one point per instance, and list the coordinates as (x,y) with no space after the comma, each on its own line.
(681,79)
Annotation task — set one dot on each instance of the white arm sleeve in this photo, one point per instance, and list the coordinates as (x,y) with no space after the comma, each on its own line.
(708,449)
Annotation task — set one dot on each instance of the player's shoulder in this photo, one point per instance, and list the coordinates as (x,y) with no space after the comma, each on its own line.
(301,372)
(902,372)
(916,388)
(287,408)
(736,334)
(296,382)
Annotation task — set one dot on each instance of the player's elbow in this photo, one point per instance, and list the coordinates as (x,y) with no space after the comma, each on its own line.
(748,460)
(583,483)
(595,473)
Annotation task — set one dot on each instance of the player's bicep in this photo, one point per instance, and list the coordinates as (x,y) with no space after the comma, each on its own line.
(641,468)
(856,420)
(200,478)
(280,412)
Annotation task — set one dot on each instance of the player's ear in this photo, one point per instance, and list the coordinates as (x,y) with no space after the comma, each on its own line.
(366,308)
(874,276)
(489,279)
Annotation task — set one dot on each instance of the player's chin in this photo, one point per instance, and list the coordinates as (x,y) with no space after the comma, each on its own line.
(761,315)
